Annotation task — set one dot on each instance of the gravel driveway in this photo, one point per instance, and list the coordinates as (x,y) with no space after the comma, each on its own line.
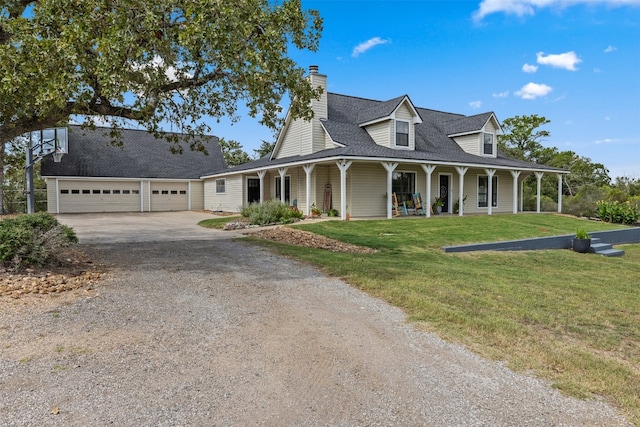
(217,332)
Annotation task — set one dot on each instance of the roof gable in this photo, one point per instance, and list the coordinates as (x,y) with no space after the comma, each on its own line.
(469,124)
(386,110)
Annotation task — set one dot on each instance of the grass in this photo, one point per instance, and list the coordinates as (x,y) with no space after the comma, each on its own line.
(571,318)
(217,223)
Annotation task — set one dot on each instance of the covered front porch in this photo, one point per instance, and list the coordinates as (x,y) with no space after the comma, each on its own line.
(365,188)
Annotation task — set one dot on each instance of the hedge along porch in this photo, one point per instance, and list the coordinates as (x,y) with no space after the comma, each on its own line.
(367,149)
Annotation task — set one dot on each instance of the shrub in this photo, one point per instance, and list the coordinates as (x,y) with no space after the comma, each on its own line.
(32,240)
(616,212)
(270,212)
(584,202)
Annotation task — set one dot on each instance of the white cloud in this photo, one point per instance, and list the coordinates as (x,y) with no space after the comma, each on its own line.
(533,90)
(475,104)
(501,94)
(529,7)
(607,141)
(365,46)
(528,68)
(610,49)
(567,60)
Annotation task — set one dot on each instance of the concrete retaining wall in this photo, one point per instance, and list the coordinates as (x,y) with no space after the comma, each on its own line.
(614,237)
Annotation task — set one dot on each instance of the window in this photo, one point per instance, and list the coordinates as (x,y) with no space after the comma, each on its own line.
(106,191)
(174,191)
(86,191)
(221,185)
(95,191)
(64,191)
(183,191)
(483,191)
(165,191)
(75,191)
(287,188)
(126,192)
(488,143)
(135,191)
(155,192)
(116,191)
(404,185)
(402,133)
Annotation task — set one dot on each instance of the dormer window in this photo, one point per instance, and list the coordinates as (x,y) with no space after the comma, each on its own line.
(488,144)
(402,133)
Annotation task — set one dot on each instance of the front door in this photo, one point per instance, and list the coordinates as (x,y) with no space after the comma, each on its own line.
(444,192)
(253,190)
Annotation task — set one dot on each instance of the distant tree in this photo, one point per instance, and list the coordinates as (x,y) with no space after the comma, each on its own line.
(521,139)
(264,150)
(233,153)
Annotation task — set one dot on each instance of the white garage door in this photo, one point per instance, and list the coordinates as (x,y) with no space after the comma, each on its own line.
(169,196)
(98,196)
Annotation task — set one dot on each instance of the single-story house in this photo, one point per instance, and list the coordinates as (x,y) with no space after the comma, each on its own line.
(356,153)
(141,176)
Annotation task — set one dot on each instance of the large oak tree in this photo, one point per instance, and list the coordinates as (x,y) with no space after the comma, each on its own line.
(164,64)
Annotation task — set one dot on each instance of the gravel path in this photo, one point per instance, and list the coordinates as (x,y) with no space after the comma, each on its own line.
(223,333)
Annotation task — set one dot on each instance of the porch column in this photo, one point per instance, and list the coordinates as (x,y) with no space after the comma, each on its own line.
(307,170)
(539,178)
(515,175)
(390,167)
(261,175)
(461,172)
(428,170)
(490,173)
(559,193)
(343,165)
(281,172)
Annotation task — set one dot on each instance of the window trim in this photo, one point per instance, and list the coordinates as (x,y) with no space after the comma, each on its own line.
(287,178)
(494,191)
(221,186)
(398,133)
(483,145)
(412,184)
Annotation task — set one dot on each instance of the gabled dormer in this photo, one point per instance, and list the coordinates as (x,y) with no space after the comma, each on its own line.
(476,134)
(392,123)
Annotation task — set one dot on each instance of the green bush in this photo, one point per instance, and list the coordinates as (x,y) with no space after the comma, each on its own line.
(584,202)
(616,212)
(32,240)
(270,212)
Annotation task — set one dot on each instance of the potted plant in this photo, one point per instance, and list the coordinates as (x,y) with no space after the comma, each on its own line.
(456,206)
(315,211)
(581,242)
(437,205)
(332,212)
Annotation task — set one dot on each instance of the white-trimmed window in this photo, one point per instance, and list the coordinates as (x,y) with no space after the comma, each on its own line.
(404,185)
(483,191)
(487,144)
(402,133)
(221,185)
(287,188)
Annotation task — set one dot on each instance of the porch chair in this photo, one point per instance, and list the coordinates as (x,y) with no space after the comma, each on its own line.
(395,209)
(418,205)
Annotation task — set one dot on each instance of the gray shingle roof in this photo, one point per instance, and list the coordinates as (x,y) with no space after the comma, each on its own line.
(142,156)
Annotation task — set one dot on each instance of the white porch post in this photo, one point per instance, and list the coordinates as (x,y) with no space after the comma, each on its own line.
(428,170)
(390,167)
(307,171)
(515,175)
(281,172)
(343,165)
(461,172)
(559,193)
(539,178)
(261,175)
(490,173)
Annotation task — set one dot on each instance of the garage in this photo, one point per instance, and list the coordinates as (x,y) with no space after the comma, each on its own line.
(169,196)
(77,196)
(142,175)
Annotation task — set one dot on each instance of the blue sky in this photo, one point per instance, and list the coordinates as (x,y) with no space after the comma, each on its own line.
(575,62)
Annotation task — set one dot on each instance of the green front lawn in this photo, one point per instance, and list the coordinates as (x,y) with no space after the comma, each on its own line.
(571,318)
